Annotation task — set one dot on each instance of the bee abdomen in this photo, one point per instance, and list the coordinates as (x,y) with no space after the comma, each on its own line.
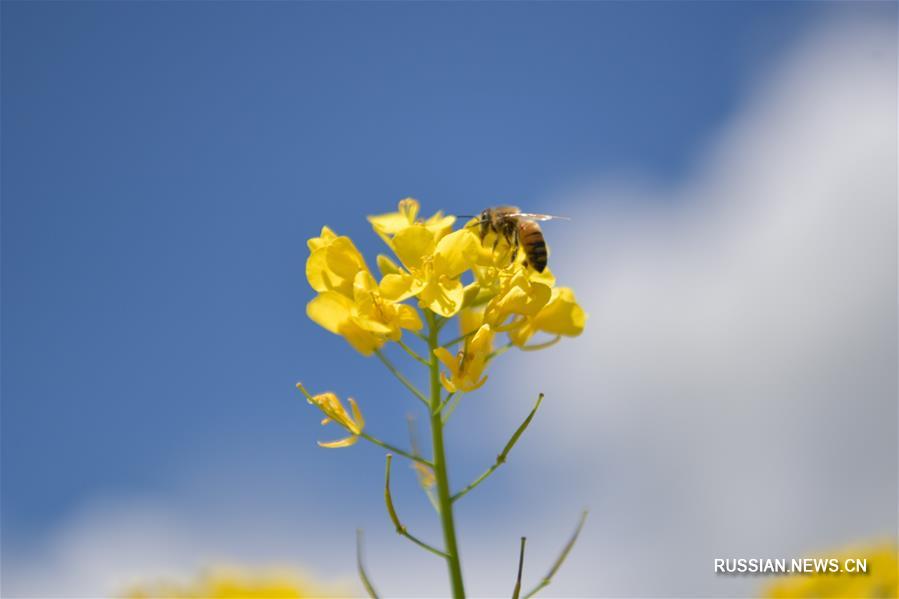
(535,249)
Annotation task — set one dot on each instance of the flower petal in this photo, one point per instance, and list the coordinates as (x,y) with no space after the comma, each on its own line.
(457,252)
(407,317)
(443,297)
(413,244)
(357,416)
(398,287)
(351,440)
(330,310)
(387,266)
(562,315)
(394,222)
(448,359)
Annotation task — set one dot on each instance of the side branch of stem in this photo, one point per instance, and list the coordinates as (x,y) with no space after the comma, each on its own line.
(517,590)
(401,377)
(360,567)
(400,527)
(396,450)
(558,563)
(501,458)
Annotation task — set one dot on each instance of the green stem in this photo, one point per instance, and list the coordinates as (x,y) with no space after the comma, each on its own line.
(394,449)
(443,488)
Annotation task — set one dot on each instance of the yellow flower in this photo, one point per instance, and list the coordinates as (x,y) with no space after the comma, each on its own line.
(880,579)
(333,263)
(231,583)
(431,268)
(366,319)
(425,474)
(330,404)
(519,296)
(467,367)
(388,225)
(560,316)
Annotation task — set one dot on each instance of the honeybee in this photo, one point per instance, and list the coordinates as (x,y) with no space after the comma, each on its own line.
(518,229)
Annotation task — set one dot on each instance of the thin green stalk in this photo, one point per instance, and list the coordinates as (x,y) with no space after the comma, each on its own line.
(402,378)
(396,450)
(500,351)
(445,401)
(517,590)
(360,567)
(450,408)
(501,458)
(412,353)
(400,527)
(421,473)
(443,488)
(558,563)
(459,338)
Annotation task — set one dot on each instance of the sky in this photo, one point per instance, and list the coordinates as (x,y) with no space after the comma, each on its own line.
(730,170)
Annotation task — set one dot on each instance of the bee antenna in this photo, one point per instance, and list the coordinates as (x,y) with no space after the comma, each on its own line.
(466,215)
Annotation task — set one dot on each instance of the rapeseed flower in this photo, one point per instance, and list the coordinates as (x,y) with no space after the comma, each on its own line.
(233,583)
(431,262)
(431,267)
(519,296)
(879,581)
(365,318)
(333,263)
(561,316)
(466,369)
(388,225)
(334,411)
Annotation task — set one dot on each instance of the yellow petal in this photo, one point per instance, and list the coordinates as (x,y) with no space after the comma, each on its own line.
(357,416)
(470,320)
(482,342)
(363,341)
(520,335)
(413,244)
(443,297)
(447,383)
(394,222)
(457,252)
(448,359)
(387,266)
(399,286)
(330,310)
(339,443)
(333,265)
(440,224)
(562,315)
(407,318)
(327,235)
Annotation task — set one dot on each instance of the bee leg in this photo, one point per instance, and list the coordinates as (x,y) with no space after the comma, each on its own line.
(514,241)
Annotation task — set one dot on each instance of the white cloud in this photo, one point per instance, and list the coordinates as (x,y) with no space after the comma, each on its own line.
(735,393)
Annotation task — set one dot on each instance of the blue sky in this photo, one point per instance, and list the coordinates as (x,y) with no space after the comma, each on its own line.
(164,163)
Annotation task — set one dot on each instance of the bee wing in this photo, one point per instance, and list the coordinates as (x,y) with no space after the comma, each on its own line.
(540,216)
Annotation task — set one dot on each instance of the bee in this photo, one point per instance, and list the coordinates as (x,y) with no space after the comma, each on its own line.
(518,229)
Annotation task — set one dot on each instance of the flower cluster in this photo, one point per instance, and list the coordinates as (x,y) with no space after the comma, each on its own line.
(449,272)
(879,578)
(234,583)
